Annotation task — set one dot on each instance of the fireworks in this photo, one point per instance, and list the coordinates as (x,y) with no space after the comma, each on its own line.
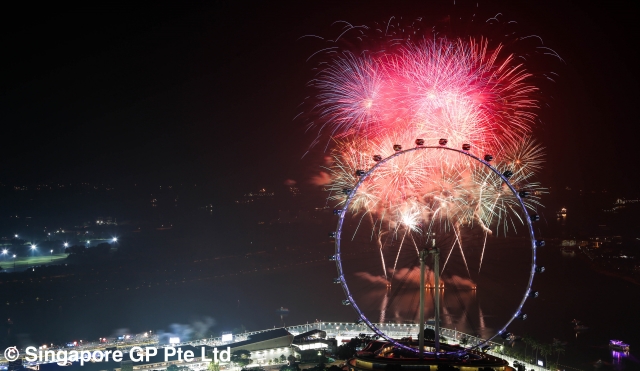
(433,89)
(464,90)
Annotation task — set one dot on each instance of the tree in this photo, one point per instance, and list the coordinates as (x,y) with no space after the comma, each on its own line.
(172,368)
(291,367)
(283,358)
(559,350)
(546,350)
(346,351)
(76,249)
(525,340)
(241,357)
(464,341)
(535,346)
(291,358)
(213,366)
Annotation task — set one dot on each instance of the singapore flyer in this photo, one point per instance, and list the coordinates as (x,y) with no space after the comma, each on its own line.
(432,170)
(424,237)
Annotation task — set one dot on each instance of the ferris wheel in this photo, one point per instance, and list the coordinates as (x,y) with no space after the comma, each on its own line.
(430,241)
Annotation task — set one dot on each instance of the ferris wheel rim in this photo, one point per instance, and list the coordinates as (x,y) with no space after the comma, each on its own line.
(344,210)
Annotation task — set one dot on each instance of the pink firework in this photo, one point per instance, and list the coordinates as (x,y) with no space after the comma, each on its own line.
(455,89)
(463,90)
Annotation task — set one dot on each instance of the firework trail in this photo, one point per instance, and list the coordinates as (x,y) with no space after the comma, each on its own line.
(407,87)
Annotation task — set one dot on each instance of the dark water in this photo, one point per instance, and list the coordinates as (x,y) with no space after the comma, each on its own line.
(568,289)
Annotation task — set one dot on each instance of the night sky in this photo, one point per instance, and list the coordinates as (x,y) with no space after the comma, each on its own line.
(206,92)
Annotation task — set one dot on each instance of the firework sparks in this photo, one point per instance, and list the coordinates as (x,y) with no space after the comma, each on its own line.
(460,89)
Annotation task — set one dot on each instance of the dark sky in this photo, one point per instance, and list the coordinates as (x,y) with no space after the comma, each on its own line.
(206,91)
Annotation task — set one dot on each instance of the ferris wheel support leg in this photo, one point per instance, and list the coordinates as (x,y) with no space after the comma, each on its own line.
(423,257)
(436,270)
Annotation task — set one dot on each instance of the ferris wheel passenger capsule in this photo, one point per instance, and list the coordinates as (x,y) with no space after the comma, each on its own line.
(419,142)
(540,269)
(540,243)
(508,174)
(488,158)
(360,172)
(347,191)
(346,302)
(443,142)
(332,234)
(524,194)
(377,158)
(534,217)
(397,147)
(336,211)
(466,147)
(533,294)
(522,316)
(337,280)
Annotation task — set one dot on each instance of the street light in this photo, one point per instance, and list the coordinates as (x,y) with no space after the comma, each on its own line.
(14,262)
(115,239)
(33,247)
(51,255)
(66,244)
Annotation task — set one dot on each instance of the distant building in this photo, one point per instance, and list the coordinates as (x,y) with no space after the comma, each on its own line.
(295,191)
(315,339)
(107,220)
(266,346)
(253,196)
(277,338)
